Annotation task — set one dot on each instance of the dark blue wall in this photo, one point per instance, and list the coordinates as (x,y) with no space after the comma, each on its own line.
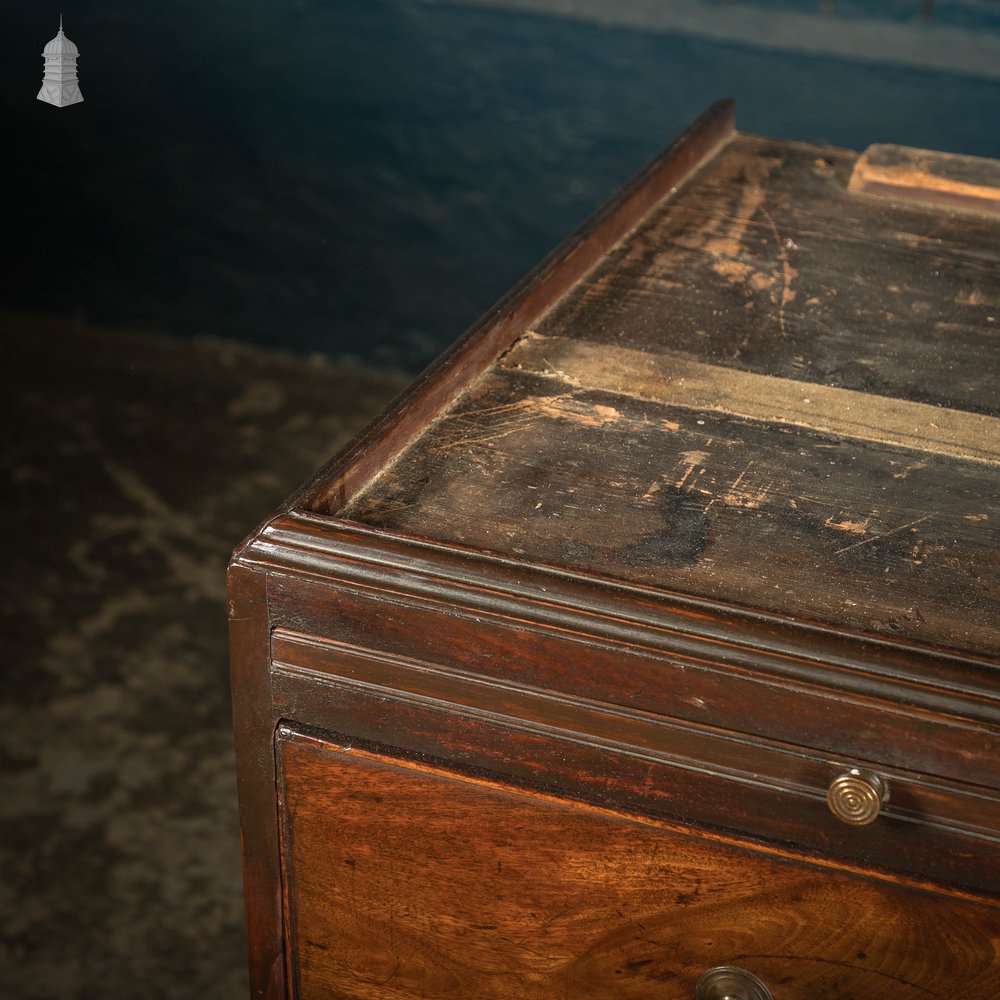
(364,177)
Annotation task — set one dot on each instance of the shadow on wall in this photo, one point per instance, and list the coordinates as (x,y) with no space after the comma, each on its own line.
(364,177)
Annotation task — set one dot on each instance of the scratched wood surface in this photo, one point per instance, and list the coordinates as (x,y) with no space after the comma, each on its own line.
(773,392)
(769,264)
(503,894)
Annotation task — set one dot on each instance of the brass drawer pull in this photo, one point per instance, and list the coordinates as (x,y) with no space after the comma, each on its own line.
(727,982)
(857,796)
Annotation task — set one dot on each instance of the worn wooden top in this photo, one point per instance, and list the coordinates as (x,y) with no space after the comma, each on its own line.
(773,392)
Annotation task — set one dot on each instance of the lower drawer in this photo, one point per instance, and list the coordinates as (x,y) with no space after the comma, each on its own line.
(405,881)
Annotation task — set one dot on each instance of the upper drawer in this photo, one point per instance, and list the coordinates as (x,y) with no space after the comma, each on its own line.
(404,881)
(443,683)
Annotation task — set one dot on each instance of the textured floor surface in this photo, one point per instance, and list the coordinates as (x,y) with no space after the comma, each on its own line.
(132,466)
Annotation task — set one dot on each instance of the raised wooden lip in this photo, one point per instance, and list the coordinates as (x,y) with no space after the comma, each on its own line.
(445,379)
(928,178)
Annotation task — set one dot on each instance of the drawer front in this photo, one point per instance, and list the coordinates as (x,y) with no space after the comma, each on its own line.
(654,670)
(402,880)
(641,762)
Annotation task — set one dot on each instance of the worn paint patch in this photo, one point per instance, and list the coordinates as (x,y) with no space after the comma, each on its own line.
(743,492)
(576,410)
(674,379)
(689,461)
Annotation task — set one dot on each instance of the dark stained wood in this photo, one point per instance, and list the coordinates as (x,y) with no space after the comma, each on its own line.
(768,264)
(930,829)
(903,725)
(861,534)
(310,548)
(255,778)
(502,894)
(923,175)
(767,363)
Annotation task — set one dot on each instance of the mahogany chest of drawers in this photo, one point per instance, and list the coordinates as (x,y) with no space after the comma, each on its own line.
(648,646)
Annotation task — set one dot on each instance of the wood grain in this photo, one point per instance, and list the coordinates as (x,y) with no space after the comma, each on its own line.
(496,893)
(675,380)
(255,776)
(886,540)
(931,831)
(769,264)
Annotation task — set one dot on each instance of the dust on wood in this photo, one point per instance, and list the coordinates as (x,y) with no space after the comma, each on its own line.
(771,392)
(676,380)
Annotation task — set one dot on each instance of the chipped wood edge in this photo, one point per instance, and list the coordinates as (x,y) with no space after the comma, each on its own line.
(928,177)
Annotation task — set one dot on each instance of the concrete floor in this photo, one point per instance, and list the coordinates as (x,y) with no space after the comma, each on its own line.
(133,465)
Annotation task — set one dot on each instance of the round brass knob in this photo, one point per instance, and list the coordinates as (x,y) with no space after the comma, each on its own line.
(727,982)
(857,796)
